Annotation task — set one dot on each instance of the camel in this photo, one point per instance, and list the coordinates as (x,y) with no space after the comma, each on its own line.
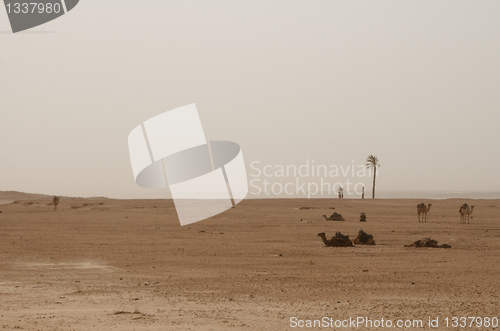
(465,213)
(339,240)
(422,209)
(55,200)
(334,217)
(427,242)
(363,238)
(362,217)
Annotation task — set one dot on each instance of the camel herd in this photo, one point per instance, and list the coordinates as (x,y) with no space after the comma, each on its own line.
(465,212)
(340,240)
(422,213)
(363,238)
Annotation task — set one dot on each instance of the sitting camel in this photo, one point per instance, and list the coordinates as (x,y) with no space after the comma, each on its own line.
(334,217)
(465,213)
(363,238)
(339,240)
(362,218)
(55,200)
(428,242)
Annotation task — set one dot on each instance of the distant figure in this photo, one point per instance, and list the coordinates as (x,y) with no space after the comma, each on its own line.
(466,213)
(55,200)
(362,218)
(363,194)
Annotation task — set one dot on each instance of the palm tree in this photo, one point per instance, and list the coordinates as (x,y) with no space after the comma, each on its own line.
(372,162)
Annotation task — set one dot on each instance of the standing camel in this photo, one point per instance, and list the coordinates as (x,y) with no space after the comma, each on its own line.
(55,200)
(422,209)
(465,213)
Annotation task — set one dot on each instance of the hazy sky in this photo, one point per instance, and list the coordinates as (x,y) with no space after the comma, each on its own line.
(414,82)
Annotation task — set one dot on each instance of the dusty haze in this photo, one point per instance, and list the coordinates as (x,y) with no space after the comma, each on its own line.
(414,82)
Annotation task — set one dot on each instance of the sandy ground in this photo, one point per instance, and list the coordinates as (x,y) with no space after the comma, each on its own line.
(102,264)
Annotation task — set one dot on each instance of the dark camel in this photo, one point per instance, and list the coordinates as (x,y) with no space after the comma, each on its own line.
(339,240)
(428,242)
(55,200)
(334,217)
(363,238)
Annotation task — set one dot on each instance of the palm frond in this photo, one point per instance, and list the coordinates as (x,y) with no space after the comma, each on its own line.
(372,162)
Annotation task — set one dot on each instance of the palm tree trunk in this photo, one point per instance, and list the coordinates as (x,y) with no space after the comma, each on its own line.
(374,175)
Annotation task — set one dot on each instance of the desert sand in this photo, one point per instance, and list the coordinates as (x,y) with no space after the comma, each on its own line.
(104,264)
